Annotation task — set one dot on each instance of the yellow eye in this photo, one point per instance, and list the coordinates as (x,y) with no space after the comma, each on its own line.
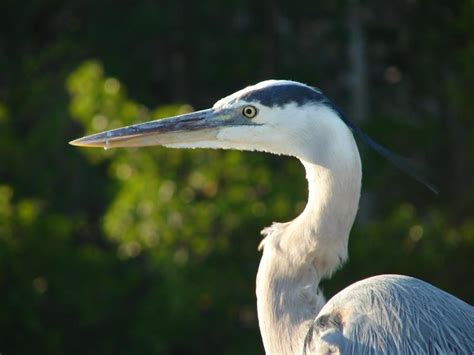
(249,111)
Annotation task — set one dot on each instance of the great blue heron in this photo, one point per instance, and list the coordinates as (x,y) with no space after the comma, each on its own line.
(384,314)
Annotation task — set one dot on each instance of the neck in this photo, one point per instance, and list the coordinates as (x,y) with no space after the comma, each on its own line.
(298,254)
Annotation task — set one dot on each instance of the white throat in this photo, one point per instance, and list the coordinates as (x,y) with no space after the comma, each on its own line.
(298,254)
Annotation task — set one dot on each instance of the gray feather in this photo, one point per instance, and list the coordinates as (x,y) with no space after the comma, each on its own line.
(392,314)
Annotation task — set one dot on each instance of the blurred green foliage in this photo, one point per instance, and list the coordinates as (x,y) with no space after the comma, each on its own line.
(153,250)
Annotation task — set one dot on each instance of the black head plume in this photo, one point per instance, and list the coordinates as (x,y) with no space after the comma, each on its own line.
(400,162)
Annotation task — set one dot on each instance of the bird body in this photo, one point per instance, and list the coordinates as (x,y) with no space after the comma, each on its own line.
(379,315)
(392,314)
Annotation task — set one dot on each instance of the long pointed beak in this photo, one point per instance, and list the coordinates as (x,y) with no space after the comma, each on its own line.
(188,128)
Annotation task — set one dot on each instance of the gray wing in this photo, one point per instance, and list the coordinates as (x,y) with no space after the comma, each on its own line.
(392,314)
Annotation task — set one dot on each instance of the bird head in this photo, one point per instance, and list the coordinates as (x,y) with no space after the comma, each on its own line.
(276,116)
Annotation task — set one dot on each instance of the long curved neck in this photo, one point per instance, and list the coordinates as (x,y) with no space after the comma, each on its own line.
(298,254)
